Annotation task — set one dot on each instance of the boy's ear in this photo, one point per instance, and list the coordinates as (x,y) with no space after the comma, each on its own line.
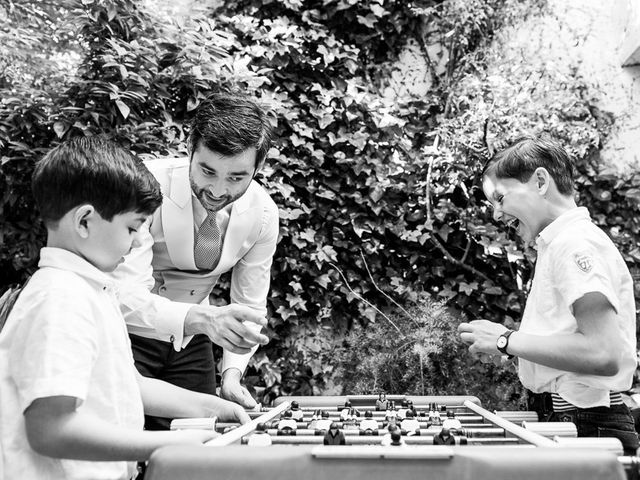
(543,180)
(82,218)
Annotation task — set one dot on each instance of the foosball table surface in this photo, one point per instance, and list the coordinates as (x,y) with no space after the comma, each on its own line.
(488,445)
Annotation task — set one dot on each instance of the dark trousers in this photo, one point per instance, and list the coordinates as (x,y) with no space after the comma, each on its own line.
(192,368)
(615,421)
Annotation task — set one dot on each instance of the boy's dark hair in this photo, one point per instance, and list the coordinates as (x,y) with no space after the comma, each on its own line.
(96,171)
(230,124)
(521,159)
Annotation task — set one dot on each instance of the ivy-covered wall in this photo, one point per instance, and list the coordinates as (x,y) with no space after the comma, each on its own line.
(379,196)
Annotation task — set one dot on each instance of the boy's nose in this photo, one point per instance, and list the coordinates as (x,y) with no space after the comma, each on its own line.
(136,242)
(497,214)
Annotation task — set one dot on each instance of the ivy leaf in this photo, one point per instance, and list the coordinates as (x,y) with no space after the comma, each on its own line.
(369,21)
(124,110)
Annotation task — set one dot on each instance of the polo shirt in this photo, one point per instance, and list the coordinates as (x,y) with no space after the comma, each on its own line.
(575,257)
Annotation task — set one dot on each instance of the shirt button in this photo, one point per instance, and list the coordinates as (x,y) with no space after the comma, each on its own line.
(192,292)
(172,338)
(162,289)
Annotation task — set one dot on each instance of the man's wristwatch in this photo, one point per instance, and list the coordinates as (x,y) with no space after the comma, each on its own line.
(503,343)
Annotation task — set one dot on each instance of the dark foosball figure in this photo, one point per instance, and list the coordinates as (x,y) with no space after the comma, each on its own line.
(444,438)
(334,436)
(396,439)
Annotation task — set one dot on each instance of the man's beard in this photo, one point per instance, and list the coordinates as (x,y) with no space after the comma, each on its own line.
(211,204)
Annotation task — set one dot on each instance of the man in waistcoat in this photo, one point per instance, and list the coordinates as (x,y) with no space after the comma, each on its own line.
(214,218)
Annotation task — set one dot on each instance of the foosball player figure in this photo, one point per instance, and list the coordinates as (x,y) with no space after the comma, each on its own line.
(260,437)
(296,413)
(381,402)
(402,411)
(323,425)
(451,422)
(350,423)
(287,425)
(410,425)
(313,420)
(444,438)
(434,416)
(334,436)
(369,426)
(386,438)
(346,410)
(396,439)
(391,412)
(411,407)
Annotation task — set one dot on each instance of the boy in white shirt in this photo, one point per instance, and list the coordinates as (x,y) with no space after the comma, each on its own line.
(577,339)
(71,400)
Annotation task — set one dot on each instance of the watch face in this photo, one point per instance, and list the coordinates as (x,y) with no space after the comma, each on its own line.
(502,342)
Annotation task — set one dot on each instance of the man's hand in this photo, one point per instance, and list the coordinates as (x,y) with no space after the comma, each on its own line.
(233,391)
(223,325)
(481,336)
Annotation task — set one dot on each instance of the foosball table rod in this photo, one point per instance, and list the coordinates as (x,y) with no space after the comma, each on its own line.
(237,434)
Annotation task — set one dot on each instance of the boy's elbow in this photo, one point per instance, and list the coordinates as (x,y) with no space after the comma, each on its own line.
(607,366)
(39,443)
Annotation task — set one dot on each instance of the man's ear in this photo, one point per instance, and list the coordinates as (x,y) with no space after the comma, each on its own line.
(542,179)
(82,218)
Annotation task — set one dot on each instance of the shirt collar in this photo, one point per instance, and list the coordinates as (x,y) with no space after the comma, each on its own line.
(65,260)
(552,230)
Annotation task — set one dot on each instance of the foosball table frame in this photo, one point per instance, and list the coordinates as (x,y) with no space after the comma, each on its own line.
(520,448)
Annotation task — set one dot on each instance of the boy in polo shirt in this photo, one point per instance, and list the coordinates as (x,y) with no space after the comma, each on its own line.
(577,336)
(71,400)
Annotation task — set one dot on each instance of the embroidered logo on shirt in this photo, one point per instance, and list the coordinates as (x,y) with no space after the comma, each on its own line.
(584,261)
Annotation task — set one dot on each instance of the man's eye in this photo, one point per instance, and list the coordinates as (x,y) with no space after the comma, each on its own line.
(132,230)
(235,179)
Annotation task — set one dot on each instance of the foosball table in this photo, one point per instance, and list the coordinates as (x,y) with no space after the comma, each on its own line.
(296,439)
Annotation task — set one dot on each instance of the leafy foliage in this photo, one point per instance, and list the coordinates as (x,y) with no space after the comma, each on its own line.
(418,352)
(372,189)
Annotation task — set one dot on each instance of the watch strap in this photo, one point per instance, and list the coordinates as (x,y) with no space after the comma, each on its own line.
(506,336)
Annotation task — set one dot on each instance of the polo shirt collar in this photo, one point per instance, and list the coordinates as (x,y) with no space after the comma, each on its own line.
(65,260)
(551,231)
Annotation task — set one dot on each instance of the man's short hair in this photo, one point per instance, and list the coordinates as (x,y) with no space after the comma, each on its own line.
(522,157)
(96,171)
(229,124)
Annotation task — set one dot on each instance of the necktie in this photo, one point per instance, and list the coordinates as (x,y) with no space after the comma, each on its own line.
(207,248)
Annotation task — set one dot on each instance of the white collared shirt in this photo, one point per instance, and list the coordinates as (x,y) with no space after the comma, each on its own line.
(155,316)
(575,257)
(66,337)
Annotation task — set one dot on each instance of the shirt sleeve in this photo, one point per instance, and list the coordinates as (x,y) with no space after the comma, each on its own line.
(54,348)
(142,309)
(580,269)
(250,280)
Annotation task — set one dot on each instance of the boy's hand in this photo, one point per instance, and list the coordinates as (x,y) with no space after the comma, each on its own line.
(224,326)
(227,411)
(232,390)
(481,336)
(191,437)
